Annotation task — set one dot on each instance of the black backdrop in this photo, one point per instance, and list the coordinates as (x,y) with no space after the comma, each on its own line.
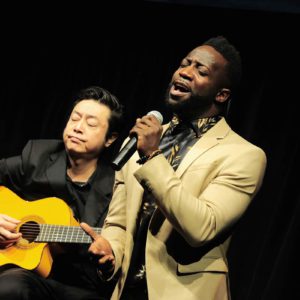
(49,54)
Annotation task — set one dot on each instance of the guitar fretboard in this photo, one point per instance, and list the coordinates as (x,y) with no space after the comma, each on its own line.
(58,233)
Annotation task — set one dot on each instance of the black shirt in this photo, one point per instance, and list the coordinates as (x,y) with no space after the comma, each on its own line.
(80,192)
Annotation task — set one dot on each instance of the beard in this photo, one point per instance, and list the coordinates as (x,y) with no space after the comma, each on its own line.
(194,105)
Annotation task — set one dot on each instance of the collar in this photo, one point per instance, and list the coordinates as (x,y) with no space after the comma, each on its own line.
(199,126)
(81,184)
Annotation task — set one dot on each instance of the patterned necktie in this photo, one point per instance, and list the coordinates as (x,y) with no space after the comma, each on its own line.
(181,136)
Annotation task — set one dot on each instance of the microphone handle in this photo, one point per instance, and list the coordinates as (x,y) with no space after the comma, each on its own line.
(125,153)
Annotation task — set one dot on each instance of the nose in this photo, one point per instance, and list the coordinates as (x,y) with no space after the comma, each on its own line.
(78,126)
(186,72)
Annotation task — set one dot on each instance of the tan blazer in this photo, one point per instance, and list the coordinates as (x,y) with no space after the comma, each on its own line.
(198,205)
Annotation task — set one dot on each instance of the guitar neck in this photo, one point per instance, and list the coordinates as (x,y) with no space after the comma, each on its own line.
(59,233)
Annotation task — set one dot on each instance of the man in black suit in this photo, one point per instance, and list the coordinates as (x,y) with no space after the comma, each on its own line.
(76,170)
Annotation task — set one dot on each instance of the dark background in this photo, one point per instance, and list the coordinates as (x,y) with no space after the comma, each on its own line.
(49,53)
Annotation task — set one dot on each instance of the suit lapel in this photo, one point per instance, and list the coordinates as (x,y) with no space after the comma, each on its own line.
(211,138)
(99,196)
(206,142)
(56,174)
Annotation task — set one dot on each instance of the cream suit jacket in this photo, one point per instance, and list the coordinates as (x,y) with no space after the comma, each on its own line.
(198,206)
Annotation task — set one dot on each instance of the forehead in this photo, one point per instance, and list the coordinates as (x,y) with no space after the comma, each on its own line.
(207,56)
(91,108)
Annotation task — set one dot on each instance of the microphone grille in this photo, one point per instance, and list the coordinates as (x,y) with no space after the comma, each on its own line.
(157,115)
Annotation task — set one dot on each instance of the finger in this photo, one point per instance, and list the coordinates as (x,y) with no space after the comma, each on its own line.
(8,223)
(8,235)
(107,259)
(89,230)
(10,219)
(150,120)
(8,242)
(108,266)
(5,246)
(9,226)
(144,123)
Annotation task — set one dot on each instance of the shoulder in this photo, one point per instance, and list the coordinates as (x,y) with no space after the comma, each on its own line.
(244,150)
(243,143)
(40,149)
(44,145)
(233,145)
(236,137)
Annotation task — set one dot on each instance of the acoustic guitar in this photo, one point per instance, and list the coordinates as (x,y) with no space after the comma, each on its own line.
(42,221)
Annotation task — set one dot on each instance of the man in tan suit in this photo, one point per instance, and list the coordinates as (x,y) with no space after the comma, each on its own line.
(178,198)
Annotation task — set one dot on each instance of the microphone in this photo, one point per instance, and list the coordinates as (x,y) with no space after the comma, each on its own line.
(130,147)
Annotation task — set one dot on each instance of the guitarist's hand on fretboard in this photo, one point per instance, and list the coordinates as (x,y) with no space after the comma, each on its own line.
(101,252)
(8,236)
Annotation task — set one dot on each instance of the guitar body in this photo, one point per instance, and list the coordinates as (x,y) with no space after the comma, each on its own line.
(25,253)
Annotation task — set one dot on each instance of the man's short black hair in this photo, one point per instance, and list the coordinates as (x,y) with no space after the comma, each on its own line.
(103,96)
(230,53)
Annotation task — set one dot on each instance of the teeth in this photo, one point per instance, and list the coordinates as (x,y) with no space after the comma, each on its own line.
(180,87)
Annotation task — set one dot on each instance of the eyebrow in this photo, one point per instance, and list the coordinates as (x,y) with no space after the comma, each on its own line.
(191,60)
(88,115)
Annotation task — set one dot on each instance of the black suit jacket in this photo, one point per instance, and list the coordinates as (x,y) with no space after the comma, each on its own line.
(40,172)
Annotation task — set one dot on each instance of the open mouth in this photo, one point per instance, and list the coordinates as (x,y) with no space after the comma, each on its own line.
(179,89)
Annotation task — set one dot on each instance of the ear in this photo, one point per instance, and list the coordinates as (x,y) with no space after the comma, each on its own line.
(111,139)
(223,95)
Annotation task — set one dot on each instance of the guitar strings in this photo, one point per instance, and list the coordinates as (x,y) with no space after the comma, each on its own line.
(57,233)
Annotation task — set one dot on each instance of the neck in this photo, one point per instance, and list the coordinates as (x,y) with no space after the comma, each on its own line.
(190,115)
(81,169)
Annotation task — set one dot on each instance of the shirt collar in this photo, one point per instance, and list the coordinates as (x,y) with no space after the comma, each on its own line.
(86,184)
(199,126)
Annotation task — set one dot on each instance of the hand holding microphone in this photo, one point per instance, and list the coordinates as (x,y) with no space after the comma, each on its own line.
(148,131)
(144,137)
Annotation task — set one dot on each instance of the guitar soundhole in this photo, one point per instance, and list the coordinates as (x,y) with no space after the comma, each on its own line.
(30,230)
